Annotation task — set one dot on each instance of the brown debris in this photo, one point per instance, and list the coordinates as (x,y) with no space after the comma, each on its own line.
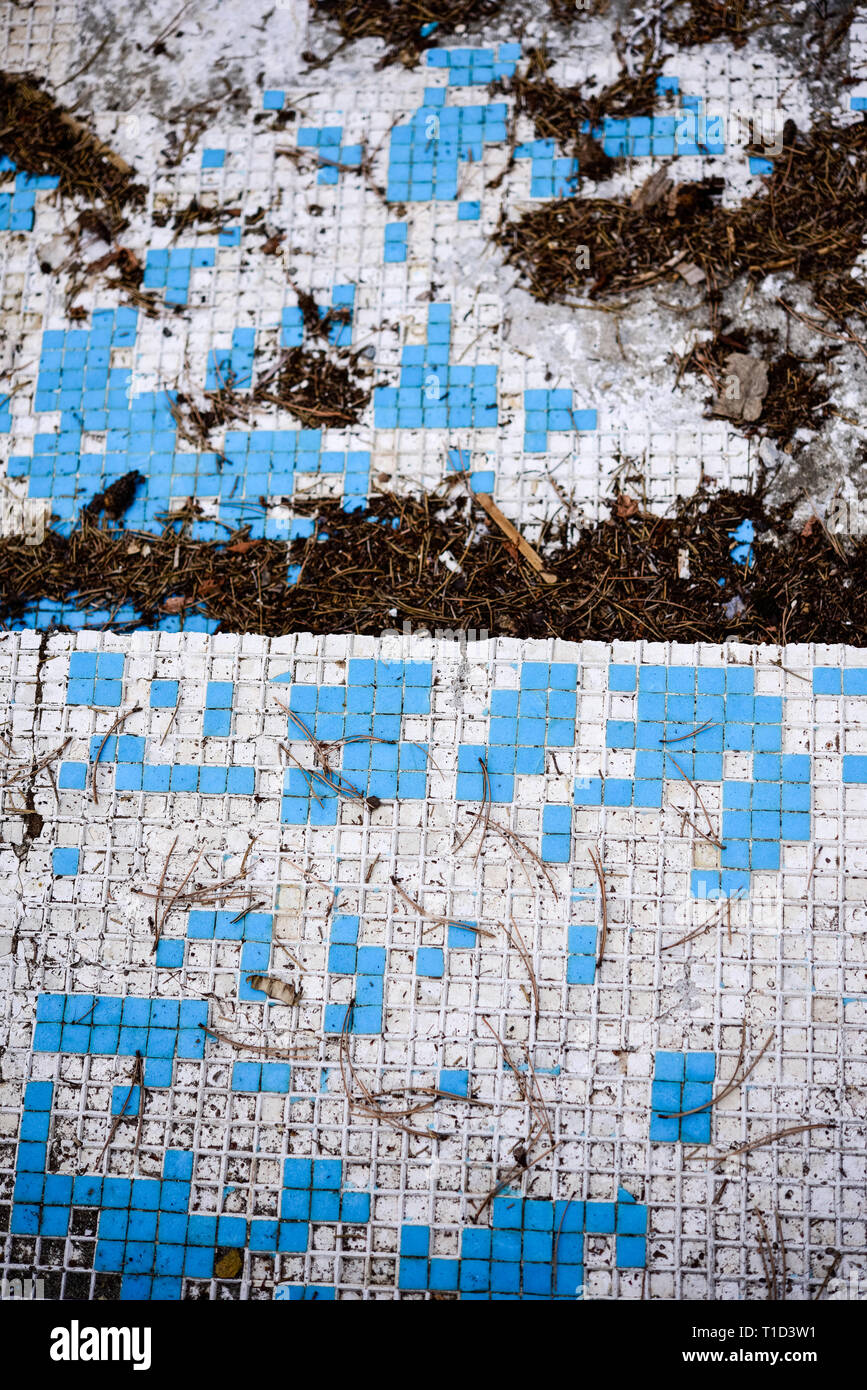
(318,389)
(228,1264)
(321,388)
(118,496)
(808,220)
(745,386)
(618,579)
(652,191)
(560,113)
(780,396)
(43,138)
(281,991)
(198,213)
(709,20)
(400,22)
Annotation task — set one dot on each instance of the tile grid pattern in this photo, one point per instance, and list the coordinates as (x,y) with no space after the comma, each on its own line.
(598,1074)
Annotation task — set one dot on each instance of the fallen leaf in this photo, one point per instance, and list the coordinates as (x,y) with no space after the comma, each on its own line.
(691,273)
(229,1264)
(281,991)
(625,506)
(651,191)
(735,607)
(744,387)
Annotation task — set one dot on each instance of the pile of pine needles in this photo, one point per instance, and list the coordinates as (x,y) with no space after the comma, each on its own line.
(559,113)
(41,137)
(404,24)
(808,220)
(322,389)
(368,572)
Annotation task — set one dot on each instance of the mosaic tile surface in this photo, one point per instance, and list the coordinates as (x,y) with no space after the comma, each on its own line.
(160,1112)
(380,197)
(413,1048)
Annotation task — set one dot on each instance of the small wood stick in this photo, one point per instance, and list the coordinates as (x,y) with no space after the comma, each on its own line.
(530,555)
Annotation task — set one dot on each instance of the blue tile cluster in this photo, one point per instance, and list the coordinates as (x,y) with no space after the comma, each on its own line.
(141,434)
(480,480)
(213,159)
(367,966)
(475,67)
(133,773)
(686,718)
(235,367)
(696,133)
(433,395)
(95,678)
(252,929)
(313,1191)
(340,332)
(425,155)
(267,1077)
(636,136)
(840,680)
(556,834)
(169,268)
(535,1249)
(551,175)
(662,136)
(328,143)
(581,958)
(121,1026)
(219,696)
(368,708)
(552,410)
(394,251)
(682,1082)
(145,1230)
(263,463)
(141,438)
(75,372)
(17,208)
(523,723)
